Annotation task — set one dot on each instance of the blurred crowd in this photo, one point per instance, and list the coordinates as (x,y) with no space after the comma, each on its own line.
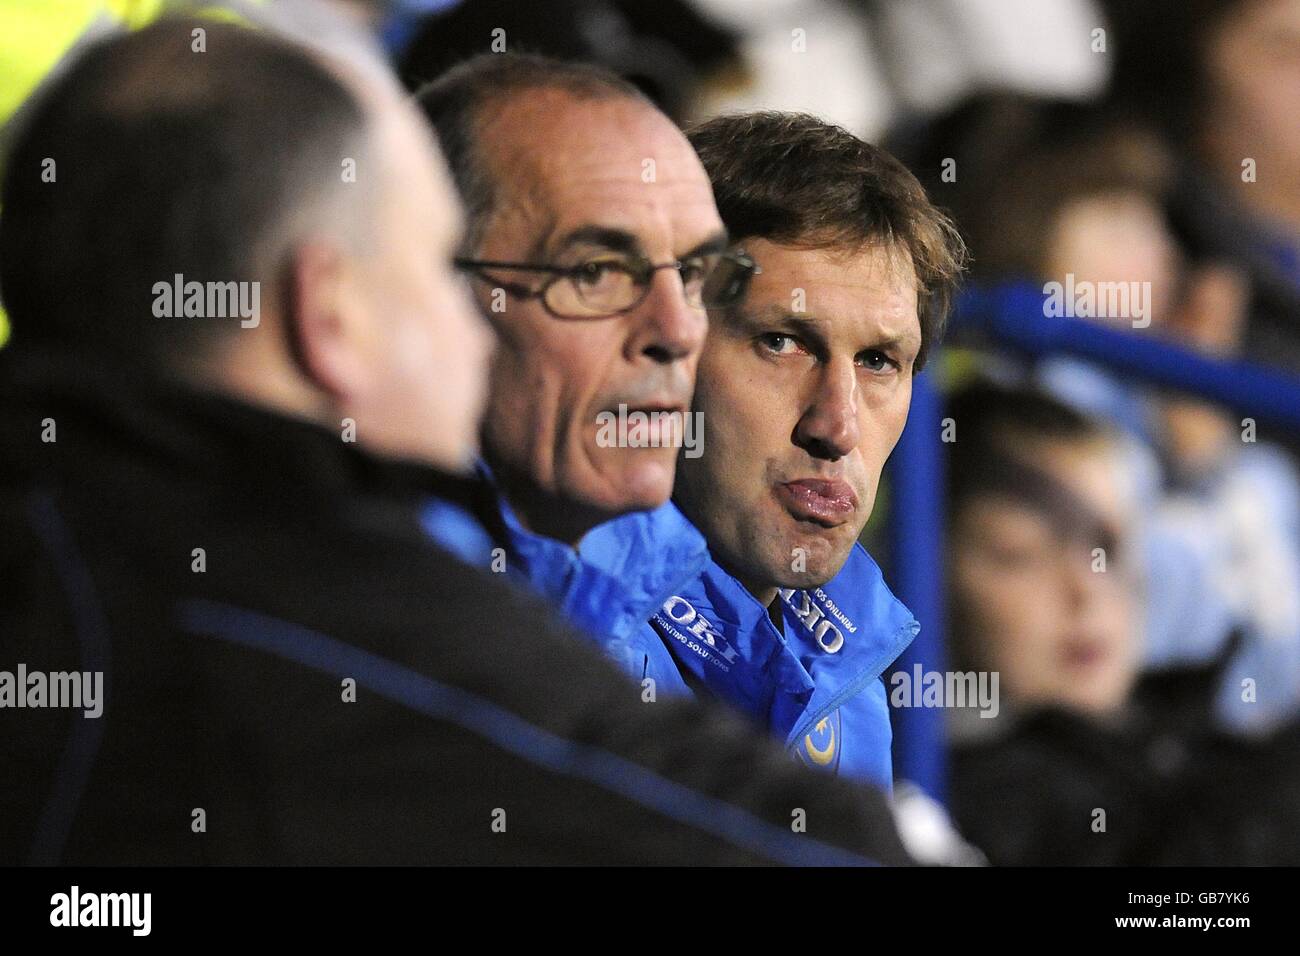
(1163,685)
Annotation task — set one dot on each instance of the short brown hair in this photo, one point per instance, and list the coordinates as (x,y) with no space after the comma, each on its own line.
(793,179)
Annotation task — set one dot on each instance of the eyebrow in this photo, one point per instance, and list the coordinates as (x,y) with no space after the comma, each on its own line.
(620,240)
(717,242)
(814,329)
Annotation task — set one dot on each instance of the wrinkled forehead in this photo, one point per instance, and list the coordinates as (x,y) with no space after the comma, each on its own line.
(881,266)
(850,293)
(560,163)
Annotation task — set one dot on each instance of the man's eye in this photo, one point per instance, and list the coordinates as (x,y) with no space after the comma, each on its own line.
(694,270)
(597,271)
(878,361)
(779,343)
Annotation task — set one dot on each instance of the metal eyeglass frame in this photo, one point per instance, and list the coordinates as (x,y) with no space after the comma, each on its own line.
(643,279)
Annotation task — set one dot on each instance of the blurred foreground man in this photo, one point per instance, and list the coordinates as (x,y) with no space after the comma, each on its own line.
(240,368)
(594,246)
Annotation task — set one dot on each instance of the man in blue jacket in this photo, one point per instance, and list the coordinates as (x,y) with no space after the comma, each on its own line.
(805,387)
(594,245)
(578,190)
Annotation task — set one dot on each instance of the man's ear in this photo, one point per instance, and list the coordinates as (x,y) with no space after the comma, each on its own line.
(325,321)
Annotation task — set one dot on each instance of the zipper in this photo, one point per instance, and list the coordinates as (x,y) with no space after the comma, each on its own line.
(854,687)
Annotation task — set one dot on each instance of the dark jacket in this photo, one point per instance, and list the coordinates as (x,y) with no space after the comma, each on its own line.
(1158,786)
(225,735)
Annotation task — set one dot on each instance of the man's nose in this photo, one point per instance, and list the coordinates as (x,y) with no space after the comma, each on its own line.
(829,428)
(668,328)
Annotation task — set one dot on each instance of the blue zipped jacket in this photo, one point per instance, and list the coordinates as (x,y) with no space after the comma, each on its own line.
(646,590)
(620,574)
(816,682)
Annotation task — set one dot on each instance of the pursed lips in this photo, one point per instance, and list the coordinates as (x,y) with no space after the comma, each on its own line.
(828,502)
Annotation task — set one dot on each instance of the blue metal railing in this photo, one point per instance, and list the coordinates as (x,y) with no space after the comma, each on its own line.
(916,516)
(1011,318)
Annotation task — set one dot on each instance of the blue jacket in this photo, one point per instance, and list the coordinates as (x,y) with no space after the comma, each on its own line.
(620,574)
(646,590)
(818,686)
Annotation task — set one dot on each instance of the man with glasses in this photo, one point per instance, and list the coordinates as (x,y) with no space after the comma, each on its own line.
(805,383)
(594,247)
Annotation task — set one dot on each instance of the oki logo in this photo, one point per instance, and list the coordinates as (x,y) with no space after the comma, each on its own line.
(810,614)
(681,612)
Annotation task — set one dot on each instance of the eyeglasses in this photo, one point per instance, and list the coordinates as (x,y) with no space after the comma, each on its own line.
(609,285)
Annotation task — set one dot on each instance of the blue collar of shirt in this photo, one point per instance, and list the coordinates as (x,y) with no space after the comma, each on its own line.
(837,639)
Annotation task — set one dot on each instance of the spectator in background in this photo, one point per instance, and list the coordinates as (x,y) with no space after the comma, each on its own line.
(1056,193)
(1085,761)
(1220,80)
(217,509)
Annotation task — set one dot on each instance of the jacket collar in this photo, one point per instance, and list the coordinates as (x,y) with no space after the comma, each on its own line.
(620,573)
(837,638)
(846,633)
(119,407)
